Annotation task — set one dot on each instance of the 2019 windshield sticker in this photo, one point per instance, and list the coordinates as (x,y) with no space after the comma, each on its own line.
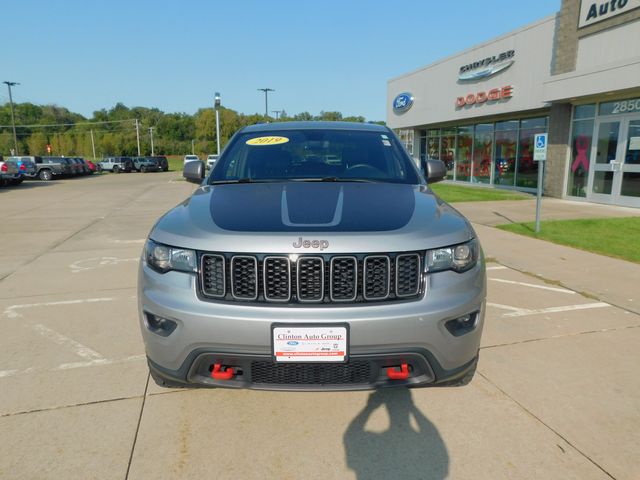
(263,141)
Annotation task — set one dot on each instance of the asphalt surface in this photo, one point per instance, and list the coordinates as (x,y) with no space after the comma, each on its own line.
(557,394)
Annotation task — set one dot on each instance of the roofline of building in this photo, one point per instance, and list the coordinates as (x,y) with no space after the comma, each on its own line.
(478,46)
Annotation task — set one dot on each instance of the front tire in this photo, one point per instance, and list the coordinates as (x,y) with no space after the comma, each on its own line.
(45,175)
(116,169)
(143,169)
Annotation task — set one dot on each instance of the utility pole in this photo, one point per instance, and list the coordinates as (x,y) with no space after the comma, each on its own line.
(193,147)
(151,135)
(138,135)
(216,104)
(278,113)
(93,146)
(266,100)
(13,121)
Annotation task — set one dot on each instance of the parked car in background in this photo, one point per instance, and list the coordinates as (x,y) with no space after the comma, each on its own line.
(92,166)
(26,168)
(50,167)
(211,161)
(145,164)
(8,173)
(116,164)
(85,168)
(190,158)
(163,163)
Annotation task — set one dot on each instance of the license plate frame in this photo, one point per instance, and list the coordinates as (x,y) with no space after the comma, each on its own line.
(313,348)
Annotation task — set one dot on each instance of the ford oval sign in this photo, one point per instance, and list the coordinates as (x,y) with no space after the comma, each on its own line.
(402,102)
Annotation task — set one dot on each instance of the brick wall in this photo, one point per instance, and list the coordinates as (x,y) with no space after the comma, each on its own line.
(559,129)
(567,33)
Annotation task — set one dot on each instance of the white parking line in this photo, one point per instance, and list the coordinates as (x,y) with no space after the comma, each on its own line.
(532,285)
(566,308)
(10,312)
(62,340)
(505,307)
(70,366)
(127,242)
(98,262)
(498,267)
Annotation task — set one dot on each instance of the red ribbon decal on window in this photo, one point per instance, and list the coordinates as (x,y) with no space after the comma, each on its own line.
(582,145)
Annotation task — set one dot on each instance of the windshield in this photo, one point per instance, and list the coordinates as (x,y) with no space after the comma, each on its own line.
(315,155)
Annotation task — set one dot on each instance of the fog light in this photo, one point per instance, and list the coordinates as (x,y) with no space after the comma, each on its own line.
(461,325)
(159,325)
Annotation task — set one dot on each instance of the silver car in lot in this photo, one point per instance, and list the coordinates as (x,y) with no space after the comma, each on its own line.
(287,271)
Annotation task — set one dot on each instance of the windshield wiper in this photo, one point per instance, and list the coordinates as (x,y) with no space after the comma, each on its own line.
(240,180)
(333,179)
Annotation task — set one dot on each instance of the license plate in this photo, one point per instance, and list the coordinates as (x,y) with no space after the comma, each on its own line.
(317,343)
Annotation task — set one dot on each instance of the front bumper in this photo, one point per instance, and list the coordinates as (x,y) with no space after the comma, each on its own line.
(382,335)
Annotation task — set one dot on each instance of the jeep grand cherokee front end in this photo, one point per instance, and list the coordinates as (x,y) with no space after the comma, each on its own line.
(313,257)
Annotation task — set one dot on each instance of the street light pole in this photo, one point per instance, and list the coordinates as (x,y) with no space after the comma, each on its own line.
(151,135)
(266,100)
(216,104)
(13,121)
(138,135)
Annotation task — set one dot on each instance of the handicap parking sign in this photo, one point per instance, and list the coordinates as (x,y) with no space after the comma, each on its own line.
(540,147)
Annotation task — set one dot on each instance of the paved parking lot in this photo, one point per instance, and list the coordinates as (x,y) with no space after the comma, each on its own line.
(557,393)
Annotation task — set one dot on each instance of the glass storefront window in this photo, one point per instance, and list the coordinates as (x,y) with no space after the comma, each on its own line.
(528,123)
(448,150)
(464,149)
(584,111)
(581,139)
(607,142)
(423,145)
(433,147)
(506,151)
(483,153)
(508,125)
(526,168)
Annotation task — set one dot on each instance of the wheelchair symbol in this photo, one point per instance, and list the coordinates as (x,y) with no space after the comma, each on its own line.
(540,142)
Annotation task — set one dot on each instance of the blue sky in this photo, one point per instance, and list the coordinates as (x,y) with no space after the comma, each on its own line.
(317,55)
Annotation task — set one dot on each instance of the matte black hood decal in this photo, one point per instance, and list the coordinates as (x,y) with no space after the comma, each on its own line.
(300,207)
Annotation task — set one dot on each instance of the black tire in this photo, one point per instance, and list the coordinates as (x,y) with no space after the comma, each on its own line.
(16,181)
(45,175)
(99,168)
(164,383)
(143,169)
(116,169)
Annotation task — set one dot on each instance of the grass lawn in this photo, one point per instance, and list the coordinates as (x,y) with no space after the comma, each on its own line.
(460,193)
(615,237)
(176,162)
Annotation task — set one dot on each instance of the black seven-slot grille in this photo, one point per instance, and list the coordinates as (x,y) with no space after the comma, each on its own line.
(311,279)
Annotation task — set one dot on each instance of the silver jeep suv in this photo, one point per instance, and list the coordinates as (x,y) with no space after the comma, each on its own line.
(314,256)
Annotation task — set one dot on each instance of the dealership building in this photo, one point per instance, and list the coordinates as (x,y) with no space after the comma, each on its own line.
(574,75)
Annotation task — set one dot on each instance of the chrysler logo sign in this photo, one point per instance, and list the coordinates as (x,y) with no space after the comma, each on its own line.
(487,66)
(402,103)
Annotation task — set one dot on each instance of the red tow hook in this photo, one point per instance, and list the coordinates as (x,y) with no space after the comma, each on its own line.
(403,374)
(218,374)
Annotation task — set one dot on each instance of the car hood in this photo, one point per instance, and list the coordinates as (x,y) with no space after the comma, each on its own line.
(349,217)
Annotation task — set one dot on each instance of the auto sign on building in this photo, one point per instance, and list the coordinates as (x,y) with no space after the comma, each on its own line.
(483,110)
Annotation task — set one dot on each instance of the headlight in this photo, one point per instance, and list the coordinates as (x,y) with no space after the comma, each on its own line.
(163,258)
(458,257)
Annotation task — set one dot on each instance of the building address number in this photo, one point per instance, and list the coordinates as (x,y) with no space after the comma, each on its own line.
(616,108)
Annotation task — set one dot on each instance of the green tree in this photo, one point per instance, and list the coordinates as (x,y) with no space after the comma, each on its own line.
(37,144)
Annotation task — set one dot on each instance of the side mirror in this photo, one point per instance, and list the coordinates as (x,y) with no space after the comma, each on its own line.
(434,170)
(194,171)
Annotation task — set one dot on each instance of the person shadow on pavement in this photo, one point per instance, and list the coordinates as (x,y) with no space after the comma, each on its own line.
(406,450)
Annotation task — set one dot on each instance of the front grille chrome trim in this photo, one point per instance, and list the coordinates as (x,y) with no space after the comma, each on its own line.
(298,263)
(355,283)
(364,277)
(265,284)
(233,283)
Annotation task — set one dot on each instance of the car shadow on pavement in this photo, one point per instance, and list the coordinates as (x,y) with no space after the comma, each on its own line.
(411,448)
